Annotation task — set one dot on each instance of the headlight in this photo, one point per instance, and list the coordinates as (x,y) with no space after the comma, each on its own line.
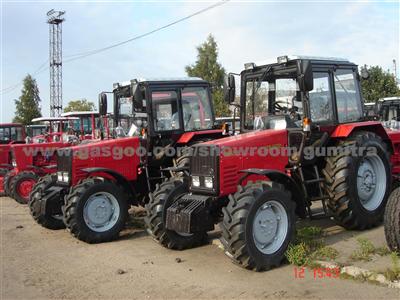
(14,163)
(196,181)
(59,176)
(65,177)
(208,182)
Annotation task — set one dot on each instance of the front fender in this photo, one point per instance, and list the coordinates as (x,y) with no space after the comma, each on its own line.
(118,177)
(286,181)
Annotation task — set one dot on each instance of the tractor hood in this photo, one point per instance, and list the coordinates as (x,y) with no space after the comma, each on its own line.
(118,155)
(223,159)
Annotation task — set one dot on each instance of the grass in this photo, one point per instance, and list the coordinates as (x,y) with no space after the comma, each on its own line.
(308,247)
(366,249)
(394,272)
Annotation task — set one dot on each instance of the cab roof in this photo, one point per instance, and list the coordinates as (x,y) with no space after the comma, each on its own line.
(80,113)
(54,119)
(11,125)
(164,80)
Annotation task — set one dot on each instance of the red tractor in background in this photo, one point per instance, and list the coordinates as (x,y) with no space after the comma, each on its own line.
(10,133)
(303,104)
(97,183)
(34,160)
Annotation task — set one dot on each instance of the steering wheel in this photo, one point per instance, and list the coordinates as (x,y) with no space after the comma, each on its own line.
(278,107)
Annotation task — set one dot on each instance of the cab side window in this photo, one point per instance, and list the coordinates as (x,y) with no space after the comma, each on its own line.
(347,96)
(321,98)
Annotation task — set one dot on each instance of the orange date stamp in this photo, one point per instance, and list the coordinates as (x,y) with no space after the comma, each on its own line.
(316,273)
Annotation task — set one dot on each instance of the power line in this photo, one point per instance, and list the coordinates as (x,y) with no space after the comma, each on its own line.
(13,87)
(93,52)
(81,55)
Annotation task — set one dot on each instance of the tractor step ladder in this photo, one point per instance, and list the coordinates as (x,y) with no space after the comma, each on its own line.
(322,197)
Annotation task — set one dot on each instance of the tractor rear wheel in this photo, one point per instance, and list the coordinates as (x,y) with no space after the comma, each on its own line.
(7,182)
(21,186)
(3,172)
(358,185)
(164,195)
(258,225)
(95,210)
(392,221)
(43,217)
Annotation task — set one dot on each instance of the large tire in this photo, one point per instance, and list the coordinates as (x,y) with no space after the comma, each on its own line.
(356,199)
(244,227)
(164,195)
(80,212)
(21,186)
(392,221)
(3,173)
(7,182)
(43,217)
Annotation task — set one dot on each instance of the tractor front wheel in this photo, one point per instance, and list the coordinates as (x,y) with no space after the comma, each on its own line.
(358,180)
(7,182)
(3,173)
(41,216)
(162,198)
(392,221)
(258,225)
(21,186)
(96,210)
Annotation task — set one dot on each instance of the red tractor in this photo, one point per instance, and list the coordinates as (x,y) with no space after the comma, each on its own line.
(96,183)
(10,133)
(256,183)
(34,160)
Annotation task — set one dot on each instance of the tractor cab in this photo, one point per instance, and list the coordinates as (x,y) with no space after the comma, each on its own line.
(175,106)
(12,133)
(36,129)
(89,126)
(166,112)
(58,130)
(298,92)
(388,112)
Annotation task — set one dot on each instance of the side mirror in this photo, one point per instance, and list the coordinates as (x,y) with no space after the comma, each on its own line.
(229,88)
(103,104)
(305,76)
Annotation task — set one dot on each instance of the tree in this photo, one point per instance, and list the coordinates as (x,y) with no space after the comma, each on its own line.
(208,68)
(379,84)
(79,105)
(27,107)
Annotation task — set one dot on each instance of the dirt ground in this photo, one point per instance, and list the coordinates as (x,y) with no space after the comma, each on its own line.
(39,263)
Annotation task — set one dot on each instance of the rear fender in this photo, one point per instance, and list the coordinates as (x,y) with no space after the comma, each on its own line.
(345,130)
(118,177)
(286,181)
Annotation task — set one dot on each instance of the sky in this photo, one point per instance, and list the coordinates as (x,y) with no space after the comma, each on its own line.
(365,32)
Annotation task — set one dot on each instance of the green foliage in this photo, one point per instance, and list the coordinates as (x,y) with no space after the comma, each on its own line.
(27,107)
(298,254)
(325,252)
(366,249)
(379,84)
(79,105)
(208,68)
(309,233)
(309,247)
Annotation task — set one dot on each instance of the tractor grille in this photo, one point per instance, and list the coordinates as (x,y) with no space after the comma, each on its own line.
(64,161)
(204,162)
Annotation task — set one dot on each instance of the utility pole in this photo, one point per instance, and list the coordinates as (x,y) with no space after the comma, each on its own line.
(55,20)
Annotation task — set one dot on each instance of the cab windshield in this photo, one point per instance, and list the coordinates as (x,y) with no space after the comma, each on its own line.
(195,110)
(272,104)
